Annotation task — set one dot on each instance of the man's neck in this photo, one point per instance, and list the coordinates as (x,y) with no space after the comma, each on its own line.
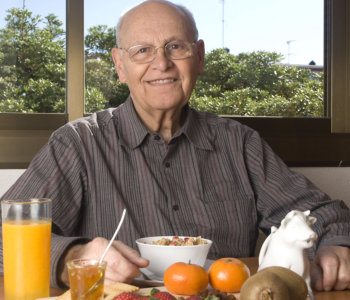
(166,123)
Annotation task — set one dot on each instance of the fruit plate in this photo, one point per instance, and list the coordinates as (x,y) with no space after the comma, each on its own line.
(147,291)
(143,291)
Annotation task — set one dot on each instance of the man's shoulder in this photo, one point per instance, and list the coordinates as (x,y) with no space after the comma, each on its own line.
(94,123)
(217,121)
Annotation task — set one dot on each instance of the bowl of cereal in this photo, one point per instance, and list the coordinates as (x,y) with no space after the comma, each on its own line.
(163,251)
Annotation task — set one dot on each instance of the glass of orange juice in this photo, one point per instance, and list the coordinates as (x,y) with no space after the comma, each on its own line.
(86,279)
(26,236)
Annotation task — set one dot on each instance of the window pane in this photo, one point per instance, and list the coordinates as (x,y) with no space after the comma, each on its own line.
(32,56)
(263,58)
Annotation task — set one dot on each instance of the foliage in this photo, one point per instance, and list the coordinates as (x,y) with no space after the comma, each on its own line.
(32,75)
(32,63)
(99,70)
(99,41)
(257,84)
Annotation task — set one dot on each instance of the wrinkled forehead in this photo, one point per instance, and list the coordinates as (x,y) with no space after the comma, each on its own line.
(153,22)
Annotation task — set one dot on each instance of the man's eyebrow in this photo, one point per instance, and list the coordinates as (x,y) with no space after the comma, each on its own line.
(171,39)
(166,41)
(137,43)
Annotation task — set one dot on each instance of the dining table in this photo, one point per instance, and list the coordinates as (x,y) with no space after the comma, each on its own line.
(251,262)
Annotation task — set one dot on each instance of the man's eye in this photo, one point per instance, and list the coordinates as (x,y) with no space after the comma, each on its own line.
(143,50)
(174,46)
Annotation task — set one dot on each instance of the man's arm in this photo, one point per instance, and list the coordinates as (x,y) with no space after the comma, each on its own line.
(279,190)
(56,172)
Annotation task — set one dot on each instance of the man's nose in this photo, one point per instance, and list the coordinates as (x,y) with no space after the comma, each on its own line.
(161,60)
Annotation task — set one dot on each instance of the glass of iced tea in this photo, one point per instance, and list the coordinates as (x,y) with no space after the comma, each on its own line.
(26,236)
(86,278)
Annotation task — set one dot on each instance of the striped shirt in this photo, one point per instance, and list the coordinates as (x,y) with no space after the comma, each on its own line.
(215,178)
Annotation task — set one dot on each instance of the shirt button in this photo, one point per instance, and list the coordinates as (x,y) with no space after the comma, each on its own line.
(167,164)
(157,137)
(175,207)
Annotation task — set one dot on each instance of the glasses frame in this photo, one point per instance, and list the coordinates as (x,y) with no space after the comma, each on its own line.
(155,49)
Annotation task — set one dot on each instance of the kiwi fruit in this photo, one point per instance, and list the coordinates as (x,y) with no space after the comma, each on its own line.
(296,284)
(274,283)
(264,286)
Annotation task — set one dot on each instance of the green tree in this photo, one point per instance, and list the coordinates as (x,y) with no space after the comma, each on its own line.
(32,75)
(99,42)
(100,73)
(257,84)
(32,63)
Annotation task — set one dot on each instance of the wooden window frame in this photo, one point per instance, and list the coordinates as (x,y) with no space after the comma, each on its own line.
(298,141)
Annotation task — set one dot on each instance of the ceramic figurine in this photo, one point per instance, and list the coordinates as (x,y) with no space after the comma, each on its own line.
(285,246)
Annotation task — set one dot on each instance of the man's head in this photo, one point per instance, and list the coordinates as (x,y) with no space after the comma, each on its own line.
(165,78)
(187,15)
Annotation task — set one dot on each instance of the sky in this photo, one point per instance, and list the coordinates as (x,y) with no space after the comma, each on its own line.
(293,28)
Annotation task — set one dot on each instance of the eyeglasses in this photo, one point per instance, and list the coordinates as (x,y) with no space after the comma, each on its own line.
(142,54)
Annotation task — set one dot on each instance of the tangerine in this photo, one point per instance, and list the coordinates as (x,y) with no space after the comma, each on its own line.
(228,274)
(185,279)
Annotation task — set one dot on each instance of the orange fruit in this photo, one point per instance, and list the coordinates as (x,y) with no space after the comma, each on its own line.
(185,279)
(228,274)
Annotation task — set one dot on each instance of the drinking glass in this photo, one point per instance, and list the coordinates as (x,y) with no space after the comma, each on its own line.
(86,278)
(26,236)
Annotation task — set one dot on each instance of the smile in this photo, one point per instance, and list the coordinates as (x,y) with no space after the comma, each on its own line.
(161,81)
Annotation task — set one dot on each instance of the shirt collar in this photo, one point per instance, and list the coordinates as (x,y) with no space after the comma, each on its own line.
(196,128)
(132,131)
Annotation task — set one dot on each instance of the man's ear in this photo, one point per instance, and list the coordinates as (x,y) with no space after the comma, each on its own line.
(117,59)
(201,55)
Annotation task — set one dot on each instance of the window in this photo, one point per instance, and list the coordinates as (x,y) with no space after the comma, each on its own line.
(31,34)
(253,67)
(298,141)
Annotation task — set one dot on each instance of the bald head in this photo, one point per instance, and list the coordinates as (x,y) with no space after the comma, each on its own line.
(149,10)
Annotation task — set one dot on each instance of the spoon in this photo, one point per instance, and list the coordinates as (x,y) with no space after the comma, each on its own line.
(99,281)
(114,236)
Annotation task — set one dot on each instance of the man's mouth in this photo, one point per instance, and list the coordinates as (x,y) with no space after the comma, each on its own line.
(162,81)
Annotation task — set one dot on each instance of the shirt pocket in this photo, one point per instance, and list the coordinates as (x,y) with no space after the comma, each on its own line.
(222,192)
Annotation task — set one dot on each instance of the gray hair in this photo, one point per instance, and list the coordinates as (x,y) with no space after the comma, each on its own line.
(182,9)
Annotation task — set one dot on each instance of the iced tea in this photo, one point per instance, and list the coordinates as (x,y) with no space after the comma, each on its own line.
(83,275)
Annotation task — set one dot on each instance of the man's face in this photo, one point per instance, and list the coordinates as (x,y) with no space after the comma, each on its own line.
(162,84)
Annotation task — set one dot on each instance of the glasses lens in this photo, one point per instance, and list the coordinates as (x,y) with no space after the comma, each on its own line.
(173,50)
(178,50)
(141,53)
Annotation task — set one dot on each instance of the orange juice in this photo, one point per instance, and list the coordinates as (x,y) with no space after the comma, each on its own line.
(26,247)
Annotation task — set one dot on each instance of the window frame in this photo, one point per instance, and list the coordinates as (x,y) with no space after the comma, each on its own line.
(298,141)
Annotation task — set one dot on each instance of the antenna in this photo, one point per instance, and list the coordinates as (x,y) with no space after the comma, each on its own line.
(289,54)
(223,23)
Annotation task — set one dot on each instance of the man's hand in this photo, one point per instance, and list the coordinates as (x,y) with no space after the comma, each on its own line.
(331,269)
(123,262)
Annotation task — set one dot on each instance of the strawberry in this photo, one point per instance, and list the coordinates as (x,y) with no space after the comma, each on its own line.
(155,293)
(129,296)
(163,296)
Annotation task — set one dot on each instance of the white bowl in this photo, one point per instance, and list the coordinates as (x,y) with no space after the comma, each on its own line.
(161,257)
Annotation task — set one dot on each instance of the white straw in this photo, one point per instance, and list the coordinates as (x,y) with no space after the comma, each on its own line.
(114,235)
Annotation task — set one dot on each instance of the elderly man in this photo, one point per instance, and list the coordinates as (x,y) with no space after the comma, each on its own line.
(175,170)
